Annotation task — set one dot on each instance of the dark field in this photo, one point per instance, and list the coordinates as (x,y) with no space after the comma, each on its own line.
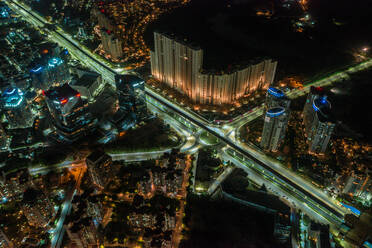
(231,33)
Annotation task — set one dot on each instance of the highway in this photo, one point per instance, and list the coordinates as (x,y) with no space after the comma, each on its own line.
(37,170)
(58,232)
(296,188)
(282,189)
(334,211)
(187,115)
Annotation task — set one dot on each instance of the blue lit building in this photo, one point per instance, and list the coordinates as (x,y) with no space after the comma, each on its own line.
(132,101)
(308,108)
(53,72)
(70,113)
(6,15)
(16,109)
(40,77)
(4,12)
(274,129)
(276,98)
(58,71)
(318,121)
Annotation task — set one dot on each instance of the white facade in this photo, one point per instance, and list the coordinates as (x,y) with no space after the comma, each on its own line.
(111,45)
(180,66)
(274,129)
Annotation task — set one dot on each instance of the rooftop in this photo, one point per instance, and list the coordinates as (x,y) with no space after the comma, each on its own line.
(274,112)
(275,92)
(181,40)
(323,108)
(317,90)
(12,97)
(63,92)
(86,80)
(53,62)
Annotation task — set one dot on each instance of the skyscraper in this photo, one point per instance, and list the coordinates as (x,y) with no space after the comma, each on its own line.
(104,20)
(322,126)
(51,73)
(58,71)
(40,77)
(179,65)
(308,111)
(276,98)
(70,113)
(36,207)
(132,97)
(274,129)
(16,109)
(318,121)
(111,44)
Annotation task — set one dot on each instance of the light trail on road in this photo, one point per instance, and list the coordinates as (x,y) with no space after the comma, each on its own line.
(215,130)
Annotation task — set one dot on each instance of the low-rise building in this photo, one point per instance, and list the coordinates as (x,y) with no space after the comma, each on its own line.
(4,241)
(357,184)
(37,207)
(142,220)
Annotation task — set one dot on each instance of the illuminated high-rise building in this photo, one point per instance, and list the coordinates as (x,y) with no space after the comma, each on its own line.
(276,98)
(16,109)
(40,77)
(4,11)
(308,112)
(319,125)
(54,72)
(70,113)
(274,129)
(4,241)
(179,65)
(176,63)
(58,71)
(111,44)
(132,105)
(131,94)
(36,207)
(104,21)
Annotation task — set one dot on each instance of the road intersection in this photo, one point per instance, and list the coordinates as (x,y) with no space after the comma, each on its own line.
(262,168)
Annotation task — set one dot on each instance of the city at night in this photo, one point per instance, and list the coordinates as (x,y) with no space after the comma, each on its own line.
(185,123)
